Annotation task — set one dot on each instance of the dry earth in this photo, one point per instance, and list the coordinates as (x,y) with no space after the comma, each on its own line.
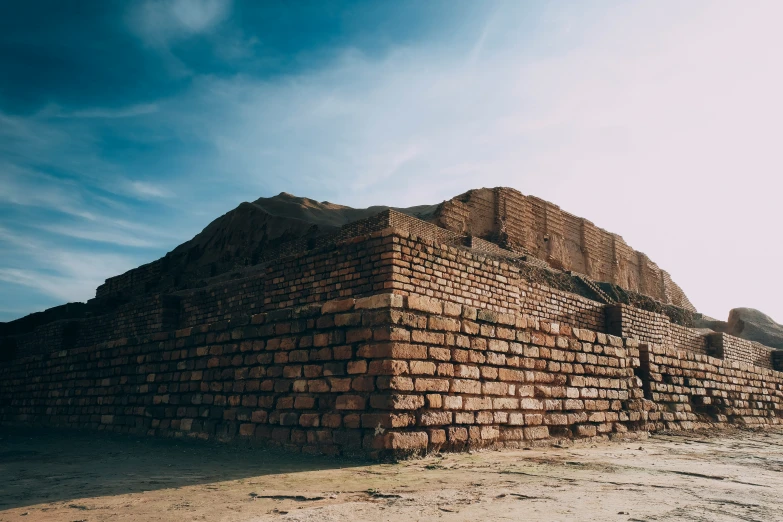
(76,476)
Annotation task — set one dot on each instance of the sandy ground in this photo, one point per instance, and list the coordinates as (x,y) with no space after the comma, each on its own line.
(75,476)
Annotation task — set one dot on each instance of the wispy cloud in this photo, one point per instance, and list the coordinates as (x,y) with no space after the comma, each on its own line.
(657,122)
(60,272)
(159,22)
(112,236)
(636,107)
(103,113)
(26,187)
(146,189)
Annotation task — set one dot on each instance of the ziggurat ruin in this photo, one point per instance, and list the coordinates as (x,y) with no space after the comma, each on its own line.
(491,320)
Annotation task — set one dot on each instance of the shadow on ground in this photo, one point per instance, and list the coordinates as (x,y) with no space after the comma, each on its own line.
(42,466)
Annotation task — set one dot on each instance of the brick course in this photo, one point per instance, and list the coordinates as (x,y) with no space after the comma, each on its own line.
(386,374)
(386,344)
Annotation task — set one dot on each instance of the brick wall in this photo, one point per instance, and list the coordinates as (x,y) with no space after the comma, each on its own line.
(563,240)
(48,337)
(369,375)
(648,327)
(682,337)
(143,316)
(132,283)
(481,280)
(732,348)
(223,301)
(359,266)
(385,374)
(391,259)
(289,377)
(694,390)
(462,377)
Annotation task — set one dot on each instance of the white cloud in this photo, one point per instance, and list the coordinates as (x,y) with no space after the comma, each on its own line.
(27,187)
(67,274)
(656,121)
(102,235)
(159,22)
(150,190)
(123,112)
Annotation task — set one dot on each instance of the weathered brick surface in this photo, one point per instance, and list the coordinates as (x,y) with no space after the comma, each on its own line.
(732,348)
(279,378)
(387,343)
(693,390)
(282,379)
(648,327)
(561,239)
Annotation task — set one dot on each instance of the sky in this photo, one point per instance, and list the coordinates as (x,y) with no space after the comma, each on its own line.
(126,127)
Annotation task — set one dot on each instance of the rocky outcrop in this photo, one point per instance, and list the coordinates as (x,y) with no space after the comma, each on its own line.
(753,325)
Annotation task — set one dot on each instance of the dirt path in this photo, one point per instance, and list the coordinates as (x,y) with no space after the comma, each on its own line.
(68,476)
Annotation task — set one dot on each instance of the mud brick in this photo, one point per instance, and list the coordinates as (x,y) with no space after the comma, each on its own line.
(357,335)
(439,354)
(470,328)
(355,367)
(437,436)
(304,403)
(364,383)
(259,417)
(350,402)
(464,386)
(494,388)
(339,384)
(379,301)
(464,417)
(388,367)
(437,385)
(445,370)
(425,304)
(443,324)
(505,403)
(434,400)
(452,309)
(422,368)
(337,306)
(342,352)
(397,383)
(457,434)
(387,420)
(406,441)
(390,333)
(317,386)
(435,418)
(422,336)
(530,404)
(396,402)
(511,375)
(477,403)
(392,350)
(467,372)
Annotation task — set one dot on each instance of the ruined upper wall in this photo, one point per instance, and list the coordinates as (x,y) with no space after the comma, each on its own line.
(564,241)
(484,219)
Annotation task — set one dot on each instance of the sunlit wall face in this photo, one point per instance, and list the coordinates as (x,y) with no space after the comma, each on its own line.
(655,120)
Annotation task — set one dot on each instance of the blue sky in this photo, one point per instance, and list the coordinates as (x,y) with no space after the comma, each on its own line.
(126,127)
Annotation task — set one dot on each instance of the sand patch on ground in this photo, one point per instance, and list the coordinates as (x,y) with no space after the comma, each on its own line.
(77,476)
